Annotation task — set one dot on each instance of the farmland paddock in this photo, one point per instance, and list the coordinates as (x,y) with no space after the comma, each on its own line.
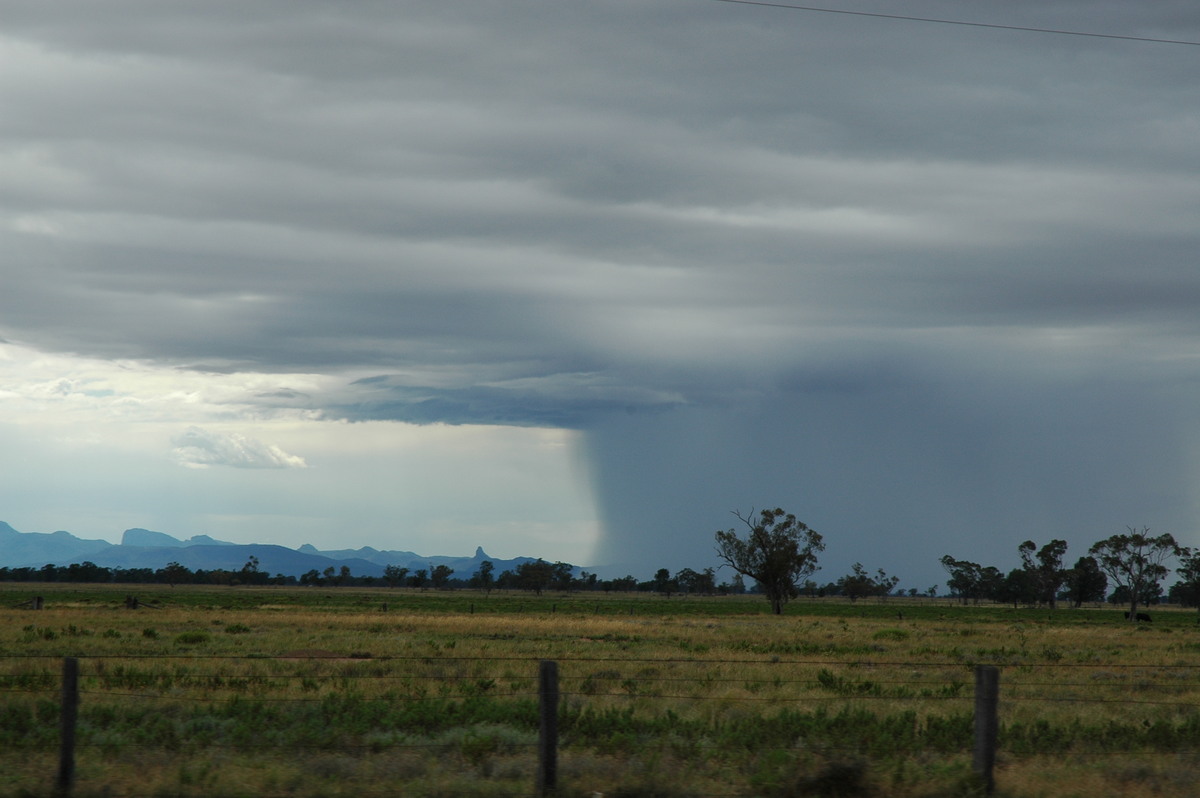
(257,692)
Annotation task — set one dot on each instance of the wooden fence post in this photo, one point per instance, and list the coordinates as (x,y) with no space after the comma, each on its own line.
(987,697)
(547,780)
(70,709)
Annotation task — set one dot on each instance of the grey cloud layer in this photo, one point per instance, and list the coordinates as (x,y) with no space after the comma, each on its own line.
(596,215)
(538,180)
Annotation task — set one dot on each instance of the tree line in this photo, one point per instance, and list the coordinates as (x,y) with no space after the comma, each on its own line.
(172,574)
(1134,564)
(536,576)
(780,552)
(776,551)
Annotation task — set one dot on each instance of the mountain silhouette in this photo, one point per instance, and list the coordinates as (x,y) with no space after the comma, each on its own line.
(144,548)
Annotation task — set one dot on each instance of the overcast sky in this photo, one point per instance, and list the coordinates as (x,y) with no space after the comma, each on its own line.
(578,279)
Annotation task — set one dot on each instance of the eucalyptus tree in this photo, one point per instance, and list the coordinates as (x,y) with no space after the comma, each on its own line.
(439,575)
(394,575)
(1045,569)
(1188,587)
(966,578)
(1136,561)
(483,578)
(779,552)
(1086,582)
(858,583)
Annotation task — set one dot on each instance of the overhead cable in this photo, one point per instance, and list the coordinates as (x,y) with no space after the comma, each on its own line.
(997,26)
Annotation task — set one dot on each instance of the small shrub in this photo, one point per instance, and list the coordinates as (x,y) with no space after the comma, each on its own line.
(237,629)
(38,633)
(1051,654)
(891,634)
(149,634)
(191,638)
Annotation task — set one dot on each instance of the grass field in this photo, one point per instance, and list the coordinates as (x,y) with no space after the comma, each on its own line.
(344,692)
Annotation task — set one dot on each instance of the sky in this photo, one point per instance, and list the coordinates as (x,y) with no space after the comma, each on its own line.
(580,280)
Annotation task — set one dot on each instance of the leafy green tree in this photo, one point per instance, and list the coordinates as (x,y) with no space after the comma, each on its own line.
(535,575)
(217,576)
(482,578)
(663,583)
(1086,582)
(1017,588)
(1151,593)
(627,583)
(86,571)
(688,580)
(562,576)
(174,573)
(855,584)
(1136,562)
(251,574)
(991,583)
(394,575)
(1045,569)
(419,577)
(1187,590)
(966,578)
(440,575)
(779,552)
(858,583)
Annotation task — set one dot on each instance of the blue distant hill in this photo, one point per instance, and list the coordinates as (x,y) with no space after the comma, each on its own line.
(144,548)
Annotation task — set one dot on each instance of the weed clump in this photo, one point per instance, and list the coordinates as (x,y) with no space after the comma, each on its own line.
(891,634)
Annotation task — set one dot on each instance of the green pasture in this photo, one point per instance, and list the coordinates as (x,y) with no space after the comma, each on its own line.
(264,691)
(357,599)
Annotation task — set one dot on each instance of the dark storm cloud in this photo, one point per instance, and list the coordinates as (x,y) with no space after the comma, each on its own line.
(897,477)
(907,275)
(563,400)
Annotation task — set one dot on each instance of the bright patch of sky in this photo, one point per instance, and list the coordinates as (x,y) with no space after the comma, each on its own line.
(96,447)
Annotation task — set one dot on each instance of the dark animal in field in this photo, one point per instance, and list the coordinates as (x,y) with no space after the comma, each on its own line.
(1141,616)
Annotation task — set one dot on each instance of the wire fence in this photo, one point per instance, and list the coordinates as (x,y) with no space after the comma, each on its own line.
(365,706)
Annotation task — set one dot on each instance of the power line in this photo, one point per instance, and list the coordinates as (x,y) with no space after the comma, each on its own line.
(1023,28)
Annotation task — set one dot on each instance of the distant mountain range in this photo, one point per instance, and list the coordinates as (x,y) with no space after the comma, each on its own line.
(144,548)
